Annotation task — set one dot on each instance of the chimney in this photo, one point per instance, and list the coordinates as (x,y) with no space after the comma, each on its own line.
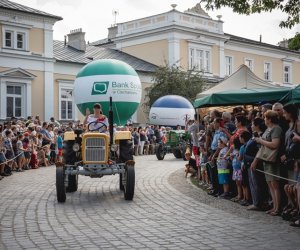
(260,38)
(284,43)
(76,39)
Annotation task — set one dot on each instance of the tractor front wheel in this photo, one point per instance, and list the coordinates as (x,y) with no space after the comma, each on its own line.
(160,153)
(60,184)
(130,182)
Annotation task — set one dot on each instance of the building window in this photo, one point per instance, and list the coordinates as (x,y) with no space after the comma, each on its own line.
(66,104)
(200,59)
(287,74)
(20,40)
(191,58)
(228,65)
(8,39)
(267,71)
(249,63)
(15,39)
(14,101)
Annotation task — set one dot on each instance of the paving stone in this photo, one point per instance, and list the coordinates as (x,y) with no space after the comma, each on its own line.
(167,212)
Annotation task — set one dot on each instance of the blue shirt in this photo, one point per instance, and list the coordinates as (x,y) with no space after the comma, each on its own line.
(59,142)
(236,164)
(217,135)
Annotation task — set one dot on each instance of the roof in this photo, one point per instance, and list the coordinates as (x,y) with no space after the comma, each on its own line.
(253,42)
(242,78)
(292,97)
(101,42)
(66,53)
(5,4)
(241,97)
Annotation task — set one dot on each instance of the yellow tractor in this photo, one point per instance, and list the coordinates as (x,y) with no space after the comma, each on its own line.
(96,154)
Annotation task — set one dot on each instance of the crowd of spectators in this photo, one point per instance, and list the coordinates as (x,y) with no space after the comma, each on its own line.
(250,157)
(30,144)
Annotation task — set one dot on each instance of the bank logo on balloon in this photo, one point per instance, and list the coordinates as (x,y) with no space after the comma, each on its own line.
(100,88)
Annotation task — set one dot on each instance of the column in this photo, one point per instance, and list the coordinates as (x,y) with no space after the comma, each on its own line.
(174,50)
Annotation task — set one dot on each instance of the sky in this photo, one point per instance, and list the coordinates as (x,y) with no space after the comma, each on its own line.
(95,16)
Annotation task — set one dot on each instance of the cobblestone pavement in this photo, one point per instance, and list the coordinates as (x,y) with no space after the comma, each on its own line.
(167,213)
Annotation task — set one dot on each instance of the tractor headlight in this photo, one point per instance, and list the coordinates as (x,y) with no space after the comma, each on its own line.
(114,147)
(76,147)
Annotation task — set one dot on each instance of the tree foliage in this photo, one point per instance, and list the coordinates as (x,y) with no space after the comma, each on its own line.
(171,80)
(294,43)
(290,7)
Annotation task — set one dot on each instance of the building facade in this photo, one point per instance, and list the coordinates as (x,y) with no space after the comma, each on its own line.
(37,74)
(26,61)
(193,40)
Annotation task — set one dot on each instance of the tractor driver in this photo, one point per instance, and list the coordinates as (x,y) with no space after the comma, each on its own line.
(96,121)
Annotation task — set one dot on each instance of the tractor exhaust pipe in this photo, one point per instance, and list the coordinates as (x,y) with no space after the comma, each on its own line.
(111,121)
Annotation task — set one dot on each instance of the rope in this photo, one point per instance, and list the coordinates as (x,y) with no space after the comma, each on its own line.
(278,176)
(11,159)
(40,148)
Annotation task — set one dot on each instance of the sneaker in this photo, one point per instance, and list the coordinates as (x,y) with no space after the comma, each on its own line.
(253,208)
(212,192)
(244,203)
(225,195)
(5,174)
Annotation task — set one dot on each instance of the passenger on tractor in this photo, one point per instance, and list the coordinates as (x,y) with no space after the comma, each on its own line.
(96,121)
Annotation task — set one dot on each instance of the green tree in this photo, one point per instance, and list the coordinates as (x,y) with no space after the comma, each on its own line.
(172,80)
(294,43)
(290,7)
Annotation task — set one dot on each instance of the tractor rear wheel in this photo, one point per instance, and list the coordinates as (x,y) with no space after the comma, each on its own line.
(177,153)
(130,182)
(60,184)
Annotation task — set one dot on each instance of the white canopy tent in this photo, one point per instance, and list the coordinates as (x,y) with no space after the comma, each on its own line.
(243,78)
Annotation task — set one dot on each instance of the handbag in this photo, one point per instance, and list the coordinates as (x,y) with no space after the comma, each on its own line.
(266,154)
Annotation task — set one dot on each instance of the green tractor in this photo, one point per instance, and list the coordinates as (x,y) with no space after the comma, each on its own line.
(176,142)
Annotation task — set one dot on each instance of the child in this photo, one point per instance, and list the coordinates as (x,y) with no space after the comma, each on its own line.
(20,153)
(27,153)
(237,169)
(2,161)
(222,165)
(191,166)
(244,137)
(203,162)
(59,143)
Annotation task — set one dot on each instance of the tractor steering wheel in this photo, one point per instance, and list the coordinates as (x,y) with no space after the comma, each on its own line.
(98,126)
